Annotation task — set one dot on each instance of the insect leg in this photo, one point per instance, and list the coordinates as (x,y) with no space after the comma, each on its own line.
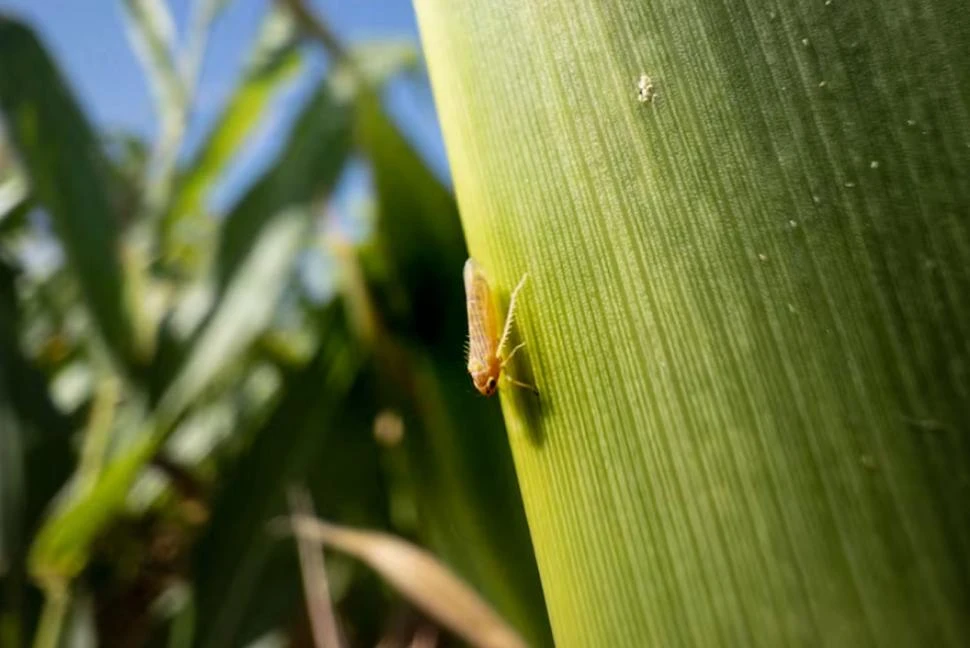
(507,358)
(519,383)
(510,316)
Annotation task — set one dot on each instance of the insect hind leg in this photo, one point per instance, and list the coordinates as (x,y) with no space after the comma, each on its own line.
(519,383)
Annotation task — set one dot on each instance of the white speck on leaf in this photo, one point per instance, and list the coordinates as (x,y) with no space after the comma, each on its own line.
(646,92)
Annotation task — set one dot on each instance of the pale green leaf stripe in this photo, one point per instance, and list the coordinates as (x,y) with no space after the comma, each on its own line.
(67,174)
(749,307)
(274,60)
(13,194)
(152,34)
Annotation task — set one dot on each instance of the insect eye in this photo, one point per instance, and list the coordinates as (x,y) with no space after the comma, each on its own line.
(490,385)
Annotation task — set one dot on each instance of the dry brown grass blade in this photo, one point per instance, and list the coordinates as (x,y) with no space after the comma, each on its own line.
(420,577)
(425,636)
(323,621)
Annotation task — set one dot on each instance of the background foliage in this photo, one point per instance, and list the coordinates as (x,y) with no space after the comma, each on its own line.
(164,384)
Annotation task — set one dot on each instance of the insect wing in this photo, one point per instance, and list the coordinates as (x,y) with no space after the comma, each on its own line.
(482,321)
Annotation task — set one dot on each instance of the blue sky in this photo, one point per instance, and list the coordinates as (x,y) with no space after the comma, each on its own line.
(89,42)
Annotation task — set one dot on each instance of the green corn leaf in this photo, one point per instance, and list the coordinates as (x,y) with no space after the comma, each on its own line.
(14,195)
(375,63)
(747,231)
(244,311)
(416,213)
(17,207)
(62,547)
(152,33)
(296,183)
(314,154)
(67,174)
(12,486)
(306,170)
(63,544)
(35,451)
(274,61)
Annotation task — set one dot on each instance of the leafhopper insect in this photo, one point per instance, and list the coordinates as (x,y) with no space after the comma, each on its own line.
(486,357)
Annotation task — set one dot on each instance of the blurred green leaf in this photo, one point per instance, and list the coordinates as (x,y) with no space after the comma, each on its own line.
(245,579)
(80,629)
(12,487)
(306,170)
(35,458)
(173,78)
(244,311)
(377,62)
(62,546)
(13,195)
(304,173)
(127,155)
(33,430)
(61,549)
(274,61)
(152,33)
(67,174)
(16,217)
(416,214)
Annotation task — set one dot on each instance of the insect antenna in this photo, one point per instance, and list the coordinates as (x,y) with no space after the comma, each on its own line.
(510,316)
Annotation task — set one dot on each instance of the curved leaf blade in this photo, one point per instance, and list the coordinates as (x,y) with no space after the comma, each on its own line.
(748,307)
(62,547)
(67,172)
(275,60)
(306,170)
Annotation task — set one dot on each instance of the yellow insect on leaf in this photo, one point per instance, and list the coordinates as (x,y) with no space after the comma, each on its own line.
(486,358)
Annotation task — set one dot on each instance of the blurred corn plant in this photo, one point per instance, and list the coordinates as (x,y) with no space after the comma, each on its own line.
(166,371)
